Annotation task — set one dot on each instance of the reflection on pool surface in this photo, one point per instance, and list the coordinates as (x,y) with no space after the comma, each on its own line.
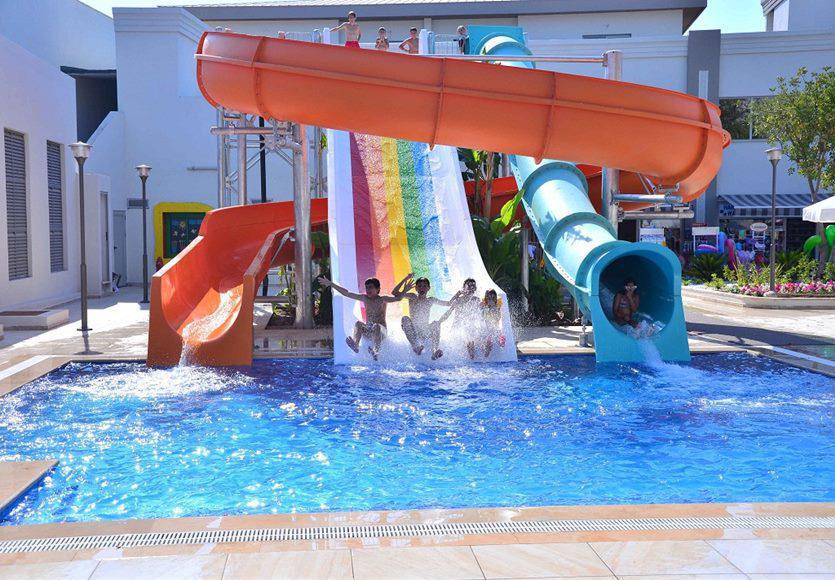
(304,435)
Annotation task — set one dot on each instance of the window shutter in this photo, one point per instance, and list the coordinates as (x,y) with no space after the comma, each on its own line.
(56,206)
(16,219)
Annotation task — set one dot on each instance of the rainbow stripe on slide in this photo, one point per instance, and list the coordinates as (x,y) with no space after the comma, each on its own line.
(396,224)
(396,207)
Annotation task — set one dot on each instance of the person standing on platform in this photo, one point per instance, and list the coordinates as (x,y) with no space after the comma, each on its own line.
(352,30)
(411,44)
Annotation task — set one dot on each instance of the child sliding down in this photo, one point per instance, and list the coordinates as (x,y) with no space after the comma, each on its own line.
(465,305)
(417,327)
(491,314)
(374,329)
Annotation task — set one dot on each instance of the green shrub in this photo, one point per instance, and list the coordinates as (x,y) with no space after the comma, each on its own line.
(751,274)
(704,266)
(789,260)
(804,271)
(717,283)
(323,296)
(543,297)
(829,271)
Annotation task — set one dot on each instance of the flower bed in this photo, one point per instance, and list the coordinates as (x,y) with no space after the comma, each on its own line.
(788,289)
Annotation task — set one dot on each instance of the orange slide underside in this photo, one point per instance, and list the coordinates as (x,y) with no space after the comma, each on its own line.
(669,137)
(214,281)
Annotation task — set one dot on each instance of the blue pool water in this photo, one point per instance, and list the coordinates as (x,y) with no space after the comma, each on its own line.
(303,435)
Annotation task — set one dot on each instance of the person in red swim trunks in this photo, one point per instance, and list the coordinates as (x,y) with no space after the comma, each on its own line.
(352,31)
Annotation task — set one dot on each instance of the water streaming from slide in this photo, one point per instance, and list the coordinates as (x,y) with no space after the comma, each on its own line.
(199,330)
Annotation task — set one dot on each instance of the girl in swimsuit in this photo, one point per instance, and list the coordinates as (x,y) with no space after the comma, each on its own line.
(626,304)
(491,312)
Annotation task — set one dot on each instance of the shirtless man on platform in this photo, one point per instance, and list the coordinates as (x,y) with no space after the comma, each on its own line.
(352,30)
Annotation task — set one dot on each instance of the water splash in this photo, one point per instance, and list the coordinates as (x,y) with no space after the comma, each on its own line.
(200,329)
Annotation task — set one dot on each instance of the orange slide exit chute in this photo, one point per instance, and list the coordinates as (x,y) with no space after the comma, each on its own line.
(203,299)
(670,137)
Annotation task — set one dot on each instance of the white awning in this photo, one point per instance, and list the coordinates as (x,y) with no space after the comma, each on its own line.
(822,212)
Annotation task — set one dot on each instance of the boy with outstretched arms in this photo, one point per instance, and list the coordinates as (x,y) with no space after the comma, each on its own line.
(374,329)
(417,327)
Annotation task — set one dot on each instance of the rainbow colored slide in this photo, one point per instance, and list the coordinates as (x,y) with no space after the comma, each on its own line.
(395,207)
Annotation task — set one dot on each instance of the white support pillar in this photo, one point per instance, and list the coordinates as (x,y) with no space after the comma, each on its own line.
(301,213)
(221,162)
(613,65)
(423,41)
(242,193)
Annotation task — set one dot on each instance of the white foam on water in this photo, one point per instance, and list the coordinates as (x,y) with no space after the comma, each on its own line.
(159,383)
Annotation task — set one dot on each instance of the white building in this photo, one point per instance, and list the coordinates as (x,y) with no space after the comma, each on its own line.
(157,116)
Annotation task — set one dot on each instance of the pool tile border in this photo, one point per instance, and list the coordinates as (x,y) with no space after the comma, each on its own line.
(18,477)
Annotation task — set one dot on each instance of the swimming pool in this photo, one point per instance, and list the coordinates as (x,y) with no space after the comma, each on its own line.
(306,436)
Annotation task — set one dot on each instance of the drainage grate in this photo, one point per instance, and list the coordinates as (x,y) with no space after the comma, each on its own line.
(411,530)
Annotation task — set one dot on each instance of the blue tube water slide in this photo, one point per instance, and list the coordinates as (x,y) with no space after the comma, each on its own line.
(581,247)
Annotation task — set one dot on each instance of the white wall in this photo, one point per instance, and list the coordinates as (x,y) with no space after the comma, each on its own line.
(807,15)
(644,23)
(94,232)
(750,64)
(38,100)
(656,61)
(166,119)
(62,32)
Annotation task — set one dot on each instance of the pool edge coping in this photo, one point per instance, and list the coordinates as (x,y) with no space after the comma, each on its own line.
(306,525)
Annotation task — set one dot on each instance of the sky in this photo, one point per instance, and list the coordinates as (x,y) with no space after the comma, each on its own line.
(727,15)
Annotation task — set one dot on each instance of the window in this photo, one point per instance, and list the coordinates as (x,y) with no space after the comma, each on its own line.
(16,218)
(178,230)
(55,189)
(603,36)
(737,118)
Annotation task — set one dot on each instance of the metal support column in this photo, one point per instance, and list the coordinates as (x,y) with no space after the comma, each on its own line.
(242,193)
(524,241)
(221,161)
(613,65)
(301,210)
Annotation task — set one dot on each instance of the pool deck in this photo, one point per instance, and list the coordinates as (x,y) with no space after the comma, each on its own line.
(711,552)
(617,547)
(16,477)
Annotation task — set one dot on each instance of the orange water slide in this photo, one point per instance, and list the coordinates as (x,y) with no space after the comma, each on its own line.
(669,137)
(203,299)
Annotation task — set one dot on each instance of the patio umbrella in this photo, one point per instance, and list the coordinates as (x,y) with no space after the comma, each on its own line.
(822,212)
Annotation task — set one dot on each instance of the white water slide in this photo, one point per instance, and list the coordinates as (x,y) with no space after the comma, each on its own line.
(395,207)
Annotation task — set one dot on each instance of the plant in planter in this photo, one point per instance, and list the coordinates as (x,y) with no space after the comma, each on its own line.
(499,242)
(704,266)
(323,295)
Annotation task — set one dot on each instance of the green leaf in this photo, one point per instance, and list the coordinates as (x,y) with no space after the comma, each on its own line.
(509,210)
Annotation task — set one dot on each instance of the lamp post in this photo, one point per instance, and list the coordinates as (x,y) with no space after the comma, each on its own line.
(144,171)
(81,151)
(774,155)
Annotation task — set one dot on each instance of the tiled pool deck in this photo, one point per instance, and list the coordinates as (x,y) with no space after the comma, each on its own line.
(718,552)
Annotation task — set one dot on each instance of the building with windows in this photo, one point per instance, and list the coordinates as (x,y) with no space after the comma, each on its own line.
(128,86)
